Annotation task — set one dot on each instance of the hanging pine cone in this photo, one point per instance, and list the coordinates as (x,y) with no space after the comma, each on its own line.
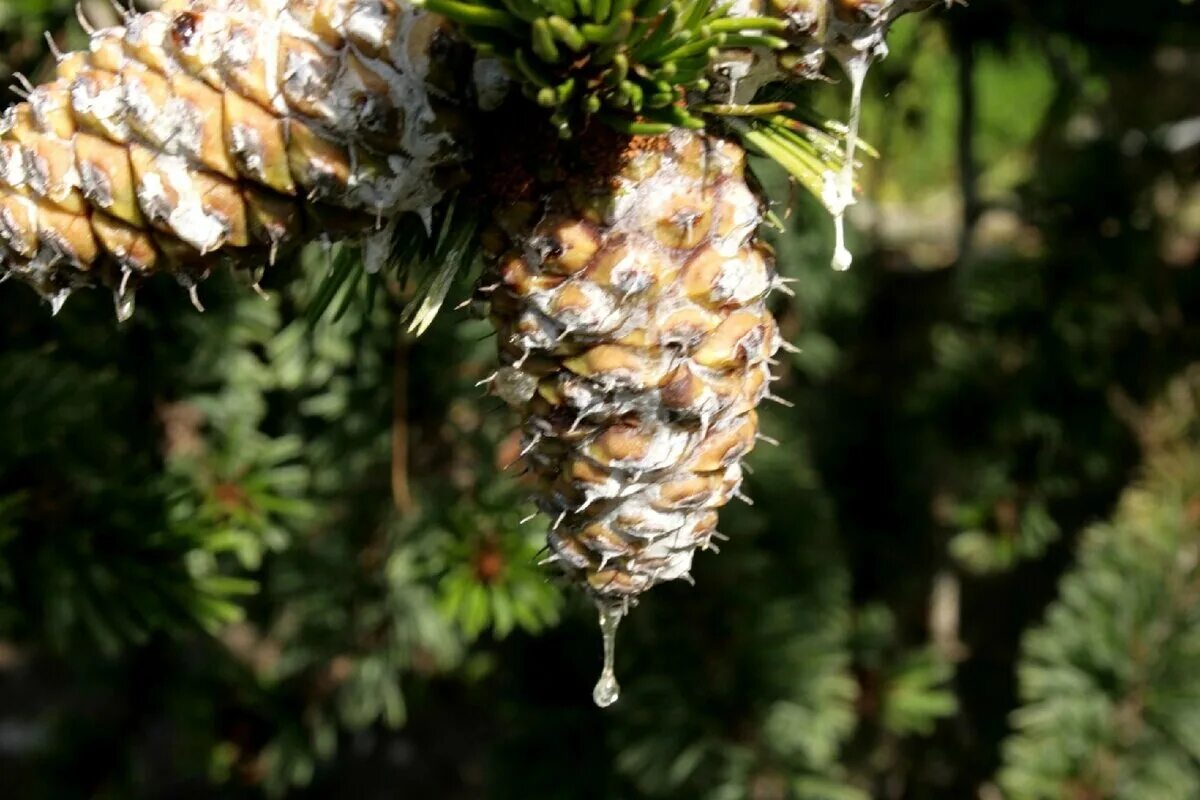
(635,342)
(628,286)
(224,127)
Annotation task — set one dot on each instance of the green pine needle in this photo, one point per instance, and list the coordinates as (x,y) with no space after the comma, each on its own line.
(617,60)
(456,247)
(808,153)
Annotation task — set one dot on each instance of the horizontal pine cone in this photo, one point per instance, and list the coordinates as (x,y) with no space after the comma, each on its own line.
(227,127)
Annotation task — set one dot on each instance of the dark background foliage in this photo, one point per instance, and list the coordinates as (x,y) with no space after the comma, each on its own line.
(248,553)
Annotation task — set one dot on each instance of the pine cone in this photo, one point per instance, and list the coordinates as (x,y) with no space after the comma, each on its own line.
(224,126)
(635,342)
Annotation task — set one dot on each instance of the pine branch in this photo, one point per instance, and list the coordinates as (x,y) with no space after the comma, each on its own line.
(1110,702)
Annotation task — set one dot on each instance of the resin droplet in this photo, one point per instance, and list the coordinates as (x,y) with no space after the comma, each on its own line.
(194,295)
(513,386)
(124,303)
(377,247)
(839,193)
(58,300)
(426,215)
(123,295)
(607,690)
(842,257)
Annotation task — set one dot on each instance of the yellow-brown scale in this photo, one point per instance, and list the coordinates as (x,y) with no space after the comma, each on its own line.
(635,342)
(225,130)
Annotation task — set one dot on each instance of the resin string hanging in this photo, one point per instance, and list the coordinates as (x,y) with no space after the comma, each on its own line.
(839,188)
(855,39)
(607,689)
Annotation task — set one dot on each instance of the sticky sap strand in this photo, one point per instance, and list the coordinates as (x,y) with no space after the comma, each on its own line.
(839,188)
(607,690)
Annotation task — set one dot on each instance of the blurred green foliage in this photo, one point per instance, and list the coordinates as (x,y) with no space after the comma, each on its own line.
(256,553)
(1108,680)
